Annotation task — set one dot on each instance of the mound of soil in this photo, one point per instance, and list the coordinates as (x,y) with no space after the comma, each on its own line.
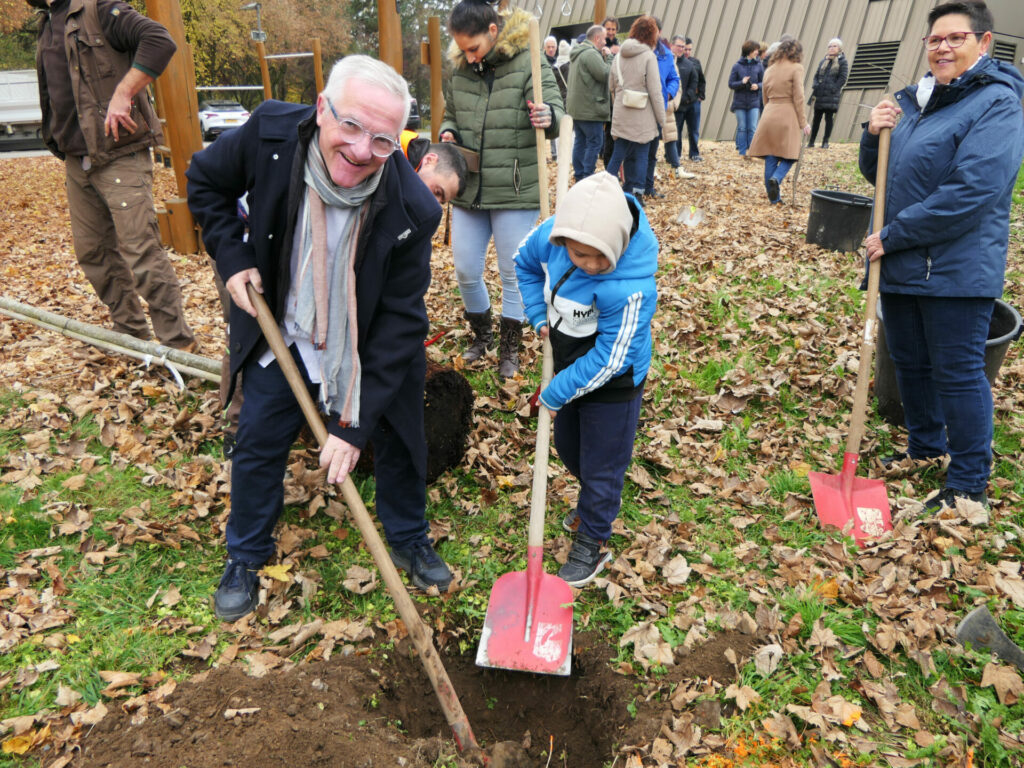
(379,709)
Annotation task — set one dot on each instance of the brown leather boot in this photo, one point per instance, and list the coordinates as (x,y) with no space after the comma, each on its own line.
(480,323)
(508,347)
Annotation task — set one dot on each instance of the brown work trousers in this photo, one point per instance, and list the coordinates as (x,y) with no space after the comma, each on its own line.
(117,243)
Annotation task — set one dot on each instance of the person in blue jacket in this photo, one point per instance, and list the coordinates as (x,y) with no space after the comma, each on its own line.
(954,157)
(669,88)
(587,278)
(339,244)
(745,81)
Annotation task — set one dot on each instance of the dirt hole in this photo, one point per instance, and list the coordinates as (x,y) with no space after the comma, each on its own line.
(369,710)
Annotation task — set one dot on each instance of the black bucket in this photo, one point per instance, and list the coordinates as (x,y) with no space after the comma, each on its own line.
(838,221)
(1004,328)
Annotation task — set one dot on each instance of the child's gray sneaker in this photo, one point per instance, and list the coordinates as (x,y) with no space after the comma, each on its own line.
(586,560)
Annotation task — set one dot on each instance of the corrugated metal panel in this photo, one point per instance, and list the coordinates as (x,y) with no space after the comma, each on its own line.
(719,28)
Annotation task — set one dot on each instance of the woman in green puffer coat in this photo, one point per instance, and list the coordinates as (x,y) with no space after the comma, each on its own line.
(489,109)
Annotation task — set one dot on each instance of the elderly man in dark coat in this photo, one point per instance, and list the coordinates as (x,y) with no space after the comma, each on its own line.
(339,243)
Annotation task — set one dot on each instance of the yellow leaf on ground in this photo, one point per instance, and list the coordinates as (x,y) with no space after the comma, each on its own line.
(278,572)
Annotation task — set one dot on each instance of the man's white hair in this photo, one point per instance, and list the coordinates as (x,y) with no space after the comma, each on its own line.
(550,39)
(370,70)
(593,32)
(836,41)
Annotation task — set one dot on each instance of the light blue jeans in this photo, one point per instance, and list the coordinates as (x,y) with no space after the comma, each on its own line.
(746,124)
(471,232)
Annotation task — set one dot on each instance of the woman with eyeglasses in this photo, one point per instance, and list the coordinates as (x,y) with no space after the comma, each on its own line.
(954,158)
(489,109)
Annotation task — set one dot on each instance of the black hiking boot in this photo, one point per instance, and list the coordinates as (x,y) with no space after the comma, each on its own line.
(239,590)
(425,567)
(571,522)
(586,559)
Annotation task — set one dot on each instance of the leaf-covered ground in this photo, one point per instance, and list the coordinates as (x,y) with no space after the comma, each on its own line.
(744,633)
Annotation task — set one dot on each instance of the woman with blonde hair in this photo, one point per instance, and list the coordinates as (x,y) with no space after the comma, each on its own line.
(829,79)
(777,138)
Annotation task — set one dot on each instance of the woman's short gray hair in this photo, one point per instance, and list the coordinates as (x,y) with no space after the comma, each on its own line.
(370,70)
(836,41)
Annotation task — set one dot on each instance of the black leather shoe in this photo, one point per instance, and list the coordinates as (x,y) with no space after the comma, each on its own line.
(239,590)
(654,195)
(228,447)
(425,567)
(772,185)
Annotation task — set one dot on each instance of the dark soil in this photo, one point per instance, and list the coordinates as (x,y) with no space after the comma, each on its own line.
(447,420)
(379,709)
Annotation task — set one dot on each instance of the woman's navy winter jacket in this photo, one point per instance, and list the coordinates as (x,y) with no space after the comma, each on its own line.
(743,97)
(952,166)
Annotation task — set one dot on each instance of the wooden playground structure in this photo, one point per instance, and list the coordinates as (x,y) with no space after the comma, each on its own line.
(178,104)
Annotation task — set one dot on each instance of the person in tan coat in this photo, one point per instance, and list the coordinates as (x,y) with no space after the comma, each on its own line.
(634,74)
(777,138)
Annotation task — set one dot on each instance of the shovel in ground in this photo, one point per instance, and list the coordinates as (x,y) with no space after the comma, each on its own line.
(435,670)
(980,629)
(528,626)
(845,498)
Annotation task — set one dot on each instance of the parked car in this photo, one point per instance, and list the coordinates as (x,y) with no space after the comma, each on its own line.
(217,115)
(413,123)
(21,120)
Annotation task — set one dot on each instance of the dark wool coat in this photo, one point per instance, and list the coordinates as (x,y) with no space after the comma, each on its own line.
(266,157)
(829,82)
(952,166)
(743,96)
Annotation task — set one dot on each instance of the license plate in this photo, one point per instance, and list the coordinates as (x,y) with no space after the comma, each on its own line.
(230,120)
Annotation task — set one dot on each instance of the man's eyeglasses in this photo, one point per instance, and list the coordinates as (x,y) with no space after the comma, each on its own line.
(953,40)
(351,130)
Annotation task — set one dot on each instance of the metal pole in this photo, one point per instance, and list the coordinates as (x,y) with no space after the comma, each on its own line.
(261,51)
(318,65)
(436,72)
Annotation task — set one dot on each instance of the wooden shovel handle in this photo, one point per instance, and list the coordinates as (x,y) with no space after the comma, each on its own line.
(539,493)
(538,98)
(858,416)
(418,631)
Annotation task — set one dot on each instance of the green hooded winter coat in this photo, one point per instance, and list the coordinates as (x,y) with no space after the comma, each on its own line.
(485,106)
(588,97)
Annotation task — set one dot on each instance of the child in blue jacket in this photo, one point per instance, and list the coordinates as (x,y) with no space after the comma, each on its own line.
(587,280)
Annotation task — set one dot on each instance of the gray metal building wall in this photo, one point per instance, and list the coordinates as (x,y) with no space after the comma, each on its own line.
(719,28)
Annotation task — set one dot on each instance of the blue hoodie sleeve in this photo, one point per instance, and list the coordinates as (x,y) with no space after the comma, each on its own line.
(622,340)
(530,260)
(979,176)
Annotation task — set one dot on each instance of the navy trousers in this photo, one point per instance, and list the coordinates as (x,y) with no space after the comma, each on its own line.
(268,425)
(937,346)
(595,442)
(632,157)
(589,135)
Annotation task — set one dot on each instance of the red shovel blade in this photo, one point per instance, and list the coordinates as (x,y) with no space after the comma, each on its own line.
(838,499)
(545,647)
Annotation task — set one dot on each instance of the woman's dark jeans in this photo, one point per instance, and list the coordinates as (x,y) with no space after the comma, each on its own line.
(829,115)
(632,157)
(937,346)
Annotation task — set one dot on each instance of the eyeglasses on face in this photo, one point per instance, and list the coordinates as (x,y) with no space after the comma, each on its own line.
(351,131)
(953,40)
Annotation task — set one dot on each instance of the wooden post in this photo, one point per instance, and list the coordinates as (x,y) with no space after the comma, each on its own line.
(176,90)
(318,66)
(261,51)
(599,11)
(389,32)
(436,72)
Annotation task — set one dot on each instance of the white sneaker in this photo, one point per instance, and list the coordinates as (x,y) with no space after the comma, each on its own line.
(682,173)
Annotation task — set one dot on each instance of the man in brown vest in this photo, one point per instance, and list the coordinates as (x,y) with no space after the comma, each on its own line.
(95,59)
